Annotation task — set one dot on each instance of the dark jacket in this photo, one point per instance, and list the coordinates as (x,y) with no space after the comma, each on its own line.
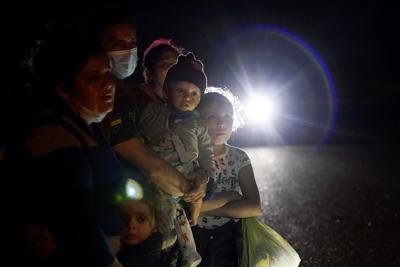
(66,179)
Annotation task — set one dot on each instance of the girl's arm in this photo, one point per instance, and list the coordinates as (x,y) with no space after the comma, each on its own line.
(249,205)
(219,199)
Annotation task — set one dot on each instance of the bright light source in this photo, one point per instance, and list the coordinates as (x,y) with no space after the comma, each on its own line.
(131,192)
(263,109)
(134,189)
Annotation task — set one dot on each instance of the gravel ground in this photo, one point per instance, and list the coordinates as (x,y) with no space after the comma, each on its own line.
(337,206)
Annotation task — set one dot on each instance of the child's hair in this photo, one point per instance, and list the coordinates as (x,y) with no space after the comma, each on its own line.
(225,95)
(154,51)
(149,198)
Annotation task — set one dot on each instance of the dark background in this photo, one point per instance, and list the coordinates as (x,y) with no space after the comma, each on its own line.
(358,41)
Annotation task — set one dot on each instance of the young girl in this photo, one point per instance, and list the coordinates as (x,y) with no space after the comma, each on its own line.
(141,242)
(157,58)
(219,235)
(235,192)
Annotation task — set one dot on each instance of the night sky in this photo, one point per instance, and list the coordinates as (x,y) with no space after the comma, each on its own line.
(358,41)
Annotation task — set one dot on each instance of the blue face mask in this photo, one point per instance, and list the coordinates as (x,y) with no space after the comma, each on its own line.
(123,62)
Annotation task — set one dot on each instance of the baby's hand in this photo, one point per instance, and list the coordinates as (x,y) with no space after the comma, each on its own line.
(199,182)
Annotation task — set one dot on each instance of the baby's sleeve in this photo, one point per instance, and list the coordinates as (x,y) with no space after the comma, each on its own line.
(206,153)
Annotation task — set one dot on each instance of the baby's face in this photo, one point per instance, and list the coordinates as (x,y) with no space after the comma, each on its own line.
(140,223)
(184,96)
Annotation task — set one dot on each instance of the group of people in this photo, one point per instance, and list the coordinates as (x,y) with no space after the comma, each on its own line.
(94,130)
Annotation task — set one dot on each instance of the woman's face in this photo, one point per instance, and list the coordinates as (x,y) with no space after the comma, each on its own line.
(218,115)
(160,68)
(184,96)
(94,87)
(140,223)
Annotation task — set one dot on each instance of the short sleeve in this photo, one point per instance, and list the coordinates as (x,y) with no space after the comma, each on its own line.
(122,122)
(241,157)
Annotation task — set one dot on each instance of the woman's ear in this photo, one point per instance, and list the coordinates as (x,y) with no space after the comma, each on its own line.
(60,89)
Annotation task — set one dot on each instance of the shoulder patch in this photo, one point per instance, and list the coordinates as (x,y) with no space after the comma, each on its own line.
(116,122)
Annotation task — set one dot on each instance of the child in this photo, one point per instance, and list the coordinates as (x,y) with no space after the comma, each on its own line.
(158,57)
(236,196)
(174,131)
(141,242)
(235,190)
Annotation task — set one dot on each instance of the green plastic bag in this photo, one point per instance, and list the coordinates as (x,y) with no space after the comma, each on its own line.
(263,247)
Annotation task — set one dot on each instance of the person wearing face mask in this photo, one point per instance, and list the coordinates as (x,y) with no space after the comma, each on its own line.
(114,30)
(65,176)
(123,62)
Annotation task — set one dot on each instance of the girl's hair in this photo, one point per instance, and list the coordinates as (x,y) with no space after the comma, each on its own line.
(150,199)
(153,52)
(223,94)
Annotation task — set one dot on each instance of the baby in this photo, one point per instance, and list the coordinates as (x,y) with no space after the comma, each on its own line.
(175,132)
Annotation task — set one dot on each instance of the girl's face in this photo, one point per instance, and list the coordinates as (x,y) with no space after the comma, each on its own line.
(184,96)
(219,118)
(140,223)
(94,87)
(159,70)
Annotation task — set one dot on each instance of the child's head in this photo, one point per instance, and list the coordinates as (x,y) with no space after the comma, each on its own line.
(220,110)
(185,82)
(139,216)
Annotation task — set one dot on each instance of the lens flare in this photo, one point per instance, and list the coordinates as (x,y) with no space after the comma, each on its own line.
(262,109)
(134,189)
(301,103)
